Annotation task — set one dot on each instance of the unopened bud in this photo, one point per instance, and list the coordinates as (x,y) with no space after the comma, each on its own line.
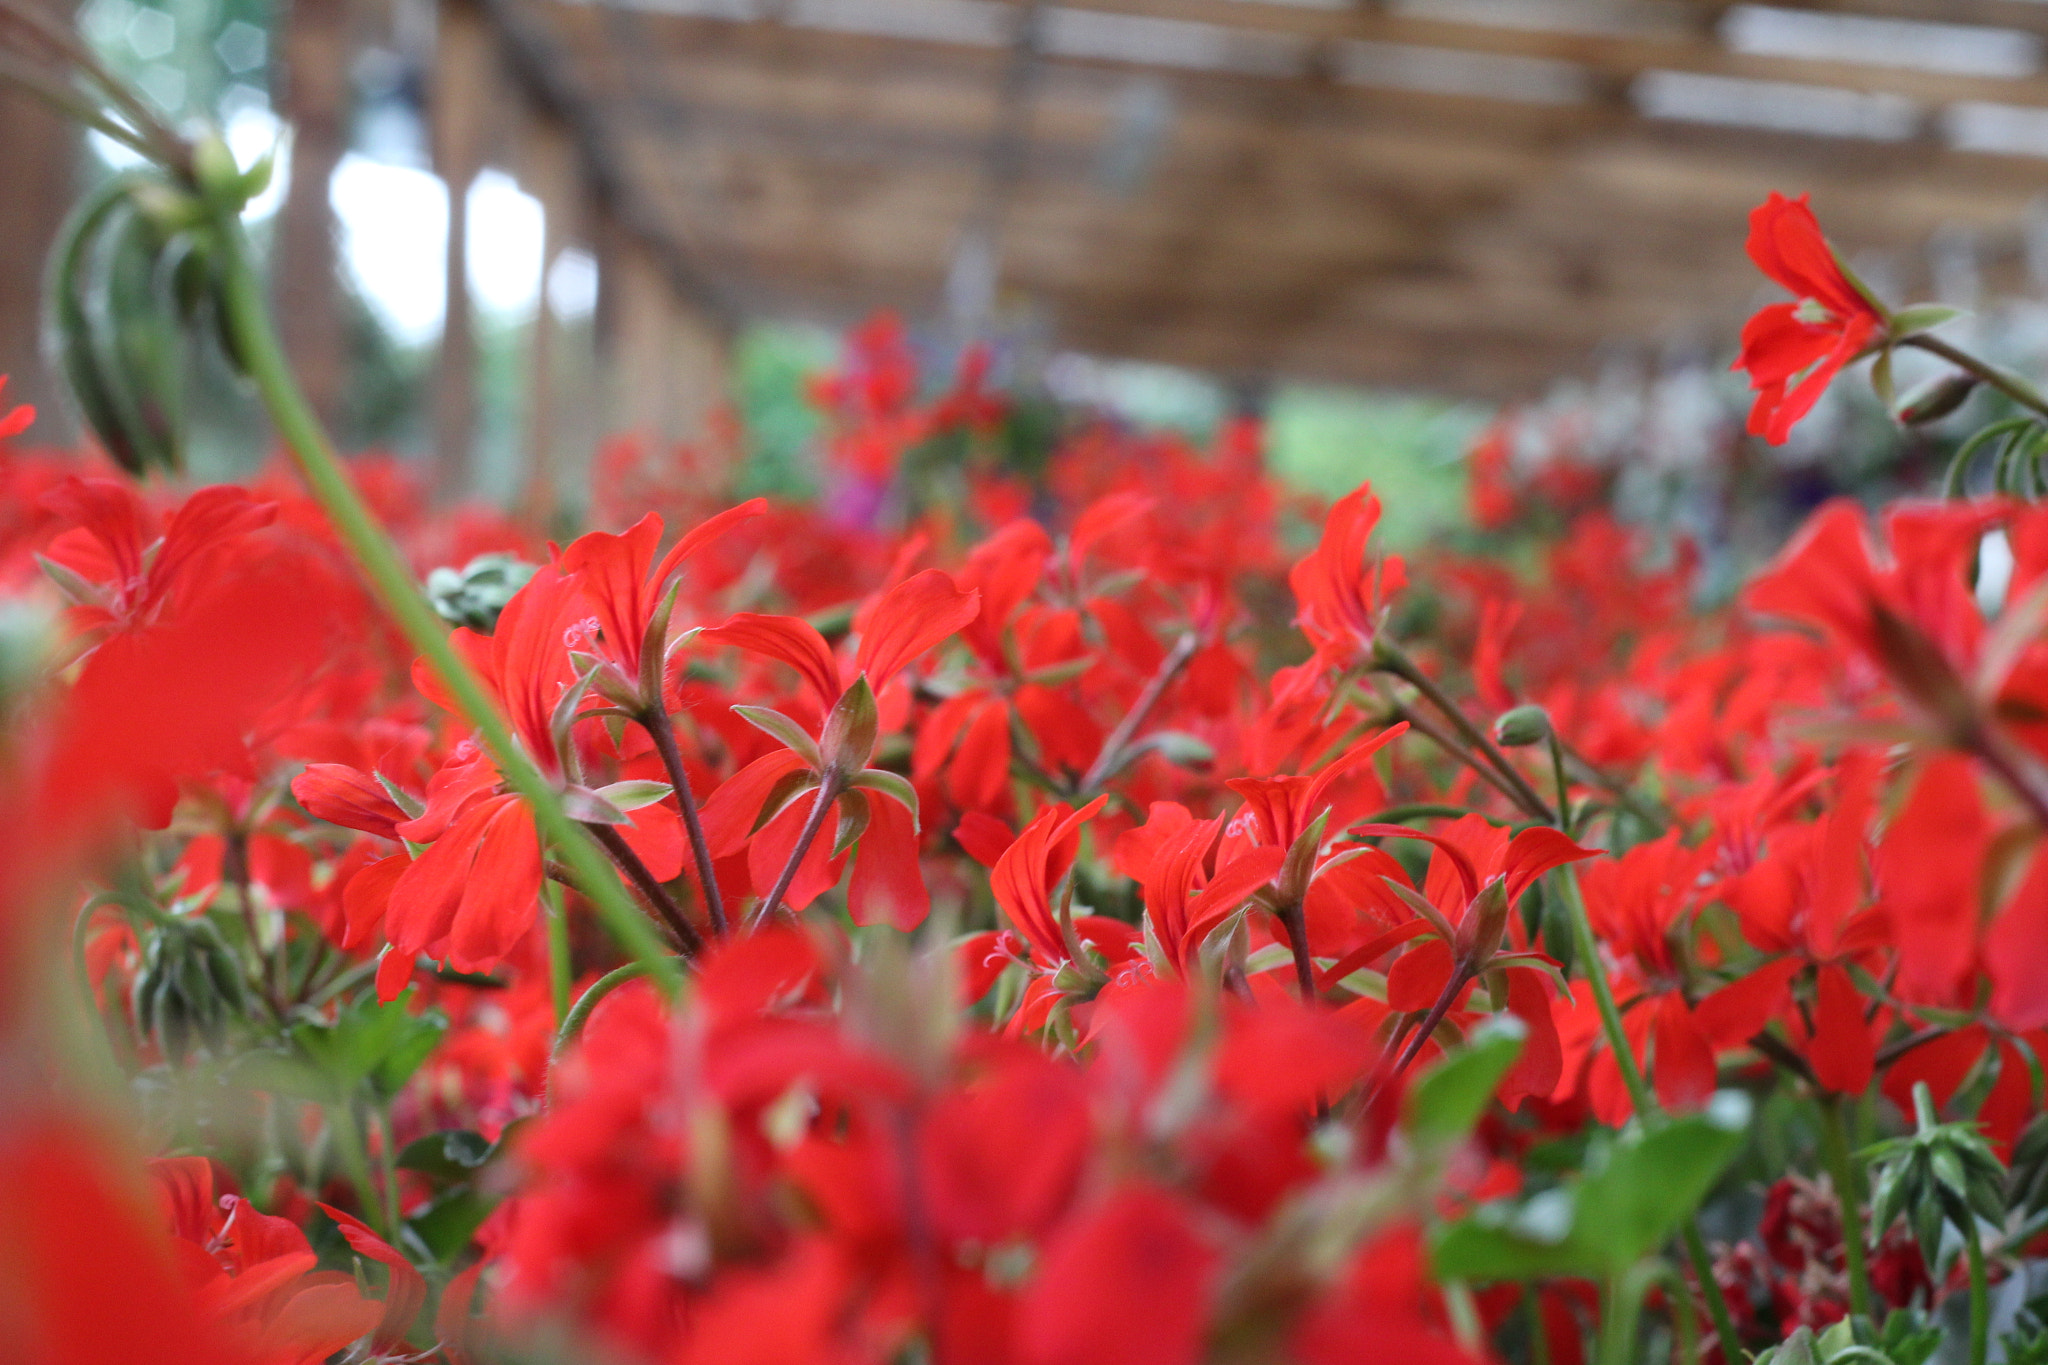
(473,595)
(1486,919)
(213,166)
(1523,726)
(848,741)
(1937,399)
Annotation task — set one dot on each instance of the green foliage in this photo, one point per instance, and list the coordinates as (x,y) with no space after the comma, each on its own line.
(370,1050)
(1441,1108)
(1630,1200)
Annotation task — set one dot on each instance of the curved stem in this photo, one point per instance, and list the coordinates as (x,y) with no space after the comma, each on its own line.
(1393,659)
(2011,385)
(1834,1142)
(248,320)
(662,731)
(579,1014)
(1980,1295)
(1110,757)
(828,792)
(614,843)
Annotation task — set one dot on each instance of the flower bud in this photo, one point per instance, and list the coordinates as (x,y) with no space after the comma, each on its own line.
(214,168)
(1486,919)
(475,594)
(1523,726)
(1938,399)
(848,741)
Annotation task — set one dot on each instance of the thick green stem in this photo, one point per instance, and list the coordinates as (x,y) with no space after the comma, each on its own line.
(1620,1304)
(355,1156)
(1834,1142)
(1588,946)
(1295,922)
(561,970)
(248,320)
(1980,1295)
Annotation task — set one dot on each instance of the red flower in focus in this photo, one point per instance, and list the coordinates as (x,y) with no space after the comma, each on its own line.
(762,808)
(1827,328)
(630,596)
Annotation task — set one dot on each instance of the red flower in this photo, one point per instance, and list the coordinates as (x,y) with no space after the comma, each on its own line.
(1339,591)
(630,595)
(14,421)
(762,808)
(1827,328)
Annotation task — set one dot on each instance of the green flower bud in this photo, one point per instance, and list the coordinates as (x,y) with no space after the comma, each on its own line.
(475,594)
(1523,726)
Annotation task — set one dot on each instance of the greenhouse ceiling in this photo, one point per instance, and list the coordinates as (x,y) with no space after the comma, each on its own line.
(1462,195)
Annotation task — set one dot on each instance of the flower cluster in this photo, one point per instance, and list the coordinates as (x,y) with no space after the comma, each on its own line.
(1115,913)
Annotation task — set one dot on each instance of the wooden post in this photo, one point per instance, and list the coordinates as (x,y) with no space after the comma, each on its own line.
(670,358)
(460,102)
(550,175)
(316,49)
(38,153)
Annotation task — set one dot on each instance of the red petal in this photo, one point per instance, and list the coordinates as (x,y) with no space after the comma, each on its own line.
(1418,977)
(1842,1053)
(887,885)
(912,617)
(1126,1283)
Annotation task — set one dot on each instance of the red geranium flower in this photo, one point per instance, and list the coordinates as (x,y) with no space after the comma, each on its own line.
(1828,327)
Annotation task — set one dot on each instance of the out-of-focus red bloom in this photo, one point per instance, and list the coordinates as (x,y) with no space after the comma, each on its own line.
(255,1275)
(1833,320)
(15,420)
(120,572)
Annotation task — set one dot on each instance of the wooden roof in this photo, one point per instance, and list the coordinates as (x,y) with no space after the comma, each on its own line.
(1464,196)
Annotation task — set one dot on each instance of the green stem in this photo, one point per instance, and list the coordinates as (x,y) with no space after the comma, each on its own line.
(1684,1317)
(248,320)
(2011,385)
(1620,1302)
(1393,659)
(1980,1295)
(579,1015)
(1588,947)
(387,1160)
(561,971)
(348,1140)
(1834,1142)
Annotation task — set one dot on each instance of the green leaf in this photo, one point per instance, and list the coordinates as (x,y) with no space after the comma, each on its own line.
(446,1223)
(774,723)
(446,1158)
(583,804)
(1922,317)
(1612,1216)
(633,795)
(1441,1108)
(369,1044)
(885,783)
